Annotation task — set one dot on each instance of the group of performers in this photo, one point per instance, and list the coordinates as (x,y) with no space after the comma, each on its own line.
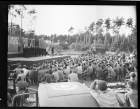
(36,51)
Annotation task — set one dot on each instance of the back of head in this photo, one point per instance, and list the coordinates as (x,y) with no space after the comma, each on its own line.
(132,74)
(102,85)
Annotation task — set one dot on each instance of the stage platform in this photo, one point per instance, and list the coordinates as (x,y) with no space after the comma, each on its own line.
(34,60)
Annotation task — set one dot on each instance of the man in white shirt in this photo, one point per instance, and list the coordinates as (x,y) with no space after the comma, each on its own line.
(67,71)
(79,69)
(73,77)
(25,71)
(21,76)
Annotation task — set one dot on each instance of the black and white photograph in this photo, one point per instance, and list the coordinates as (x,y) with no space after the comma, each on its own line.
(72,56)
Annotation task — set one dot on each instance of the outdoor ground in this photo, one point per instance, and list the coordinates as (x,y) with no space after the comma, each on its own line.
(72,53)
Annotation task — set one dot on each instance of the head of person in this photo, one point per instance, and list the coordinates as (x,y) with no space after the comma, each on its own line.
(90,64)
(48,80)
(22,71)
(132,76)
(24,66)
(102,85)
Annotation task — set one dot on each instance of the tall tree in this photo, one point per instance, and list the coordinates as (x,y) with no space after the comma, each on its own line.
(91,30)
(133,38)
(32,13)
(70,30)
(11,15)
(129,22)
(20,12)
(107,41)
(108,24)
(99,29)
(91,27)
(118,22)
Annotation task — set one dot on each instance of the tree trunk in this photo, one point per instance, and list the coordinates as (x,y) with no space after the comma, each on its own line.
(21,44)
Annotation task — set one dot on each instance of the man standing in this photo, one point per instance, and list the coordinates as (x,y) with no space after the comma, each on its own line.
(90,70)
(55,75)
(61,74)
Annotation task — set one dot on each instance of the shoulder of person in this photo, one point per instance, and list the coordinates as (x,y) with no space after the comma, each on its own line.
(94,93)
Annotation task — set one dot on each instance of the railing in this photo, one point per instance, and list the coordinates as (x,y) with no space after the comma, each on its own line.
(22,96)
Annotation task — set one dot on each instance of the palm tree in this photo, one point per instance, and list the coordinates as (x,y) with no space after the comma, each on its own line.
(99,24)
(19,11)
(107,24)
(32,12)
(99,29)
(12,14)
(91,30)
(129,22)
(70,30)
(118,22)
(91,27)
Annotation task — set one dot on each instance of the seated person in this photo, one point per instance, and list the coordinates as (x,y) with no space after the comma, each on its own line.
(131,96)
(104,97)
(48,77)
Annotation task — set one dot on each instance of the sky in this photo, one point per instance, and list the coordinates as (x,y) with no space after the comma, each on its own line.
(57,19)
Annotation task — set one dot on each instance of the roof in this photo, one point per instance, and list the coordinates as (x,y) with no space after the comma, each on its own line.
(65,94)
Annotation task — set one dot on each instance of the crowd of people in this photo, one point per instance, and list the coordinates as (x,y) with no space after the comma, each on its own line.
(107,68)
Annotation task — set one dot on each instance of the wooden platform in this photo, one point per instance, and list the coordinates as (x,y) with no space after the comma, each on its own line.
(34,60)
